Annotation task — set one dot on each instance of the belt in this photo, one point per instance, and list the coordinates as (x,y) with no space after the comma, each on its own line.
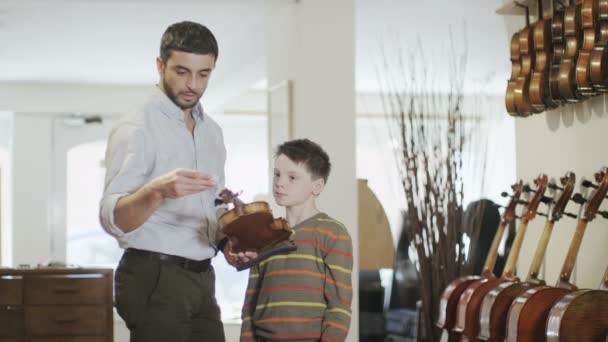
(198,266)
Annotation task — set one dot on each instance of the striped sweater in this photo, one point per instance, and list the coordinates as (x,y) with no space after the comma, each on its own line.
(304,295)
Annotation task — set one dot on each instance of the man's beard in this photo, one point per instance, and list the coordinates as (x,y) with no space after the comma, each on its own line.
(173,97)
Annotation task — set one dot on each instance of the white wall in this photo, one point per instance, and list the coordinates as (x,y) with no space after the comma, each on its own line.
(568,139)
(312,43)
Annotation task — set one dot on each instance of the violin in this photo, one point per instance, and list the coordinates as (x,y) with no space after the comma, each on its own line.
(589,11)
(540,98)
(580,316)
(598,67)
(527,317)
(567,68)
(451,294)
(522,85)
(515,70)
(252,227)
(496,303)
(559,50)
(469,303)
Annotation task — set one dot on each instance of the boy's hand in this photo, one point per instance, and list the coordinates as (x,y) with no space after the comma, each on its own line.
(237,259)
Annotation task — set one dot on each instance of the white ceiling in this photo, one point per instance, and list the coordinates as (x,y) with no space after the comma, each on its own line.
(115,42)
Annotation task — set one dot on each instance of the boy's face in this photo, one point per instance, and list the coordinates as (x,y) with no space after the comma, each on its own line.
(292,183)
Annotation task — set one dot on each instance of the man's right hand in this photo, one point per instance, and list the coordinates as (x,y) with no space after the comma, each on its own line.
(182,182)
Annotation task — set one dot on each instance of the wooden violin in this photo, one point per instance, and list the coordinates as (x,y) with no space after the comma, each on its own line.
(567,68)
(522,85)
(451,294)
(598,64)
(559,50)
(527,317)
(540,98)
(515,70)
(496,304)
(469,303)
(589,11)
(252,227)
(580,316)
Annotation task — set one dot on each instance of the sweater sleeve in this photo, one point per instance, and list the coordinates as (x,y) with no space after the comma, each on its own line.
(338,286)
(247,331)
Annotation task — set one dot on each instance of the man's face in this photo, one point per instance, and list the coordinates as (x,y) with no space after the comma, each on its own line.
(184,77)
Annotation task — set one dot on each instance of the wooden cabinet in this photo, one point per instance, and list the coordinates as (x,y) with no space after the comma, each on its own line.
(56,304)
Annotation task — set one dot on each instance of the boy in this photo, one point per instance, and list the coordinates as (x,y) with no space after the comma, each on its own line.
(304,295)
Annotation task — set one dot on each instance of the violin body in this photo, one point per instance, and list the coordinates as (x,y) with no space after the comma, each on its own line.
(567,69)
(580,316)
(598,65)
(559,50)
(589,12)
(495,308)
(469,305)
(528,313)
(448,304)
(253,228)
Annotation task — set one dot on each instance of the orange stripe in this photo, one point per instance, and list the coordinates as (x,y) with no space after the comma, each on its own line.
(339,284)
(288,320)
(331,338)
(290,272)
(304,288)
(247,333)
(312,334)
(323,248)
(336,325)
(326,232)
(288,287)
(314,274)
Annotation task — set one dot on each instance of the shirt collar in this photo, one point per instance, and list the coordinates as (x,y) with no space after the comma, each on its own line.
(170,109)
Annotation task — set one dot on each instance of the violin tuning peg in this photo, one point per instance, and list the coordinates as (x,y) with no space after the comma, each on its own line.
(578,198)
(522,202)
(570,215)
(588,184)
(542,214)
(504,194)
(546,200)
(554,186)
(603,213)
(527,188)
(517,217)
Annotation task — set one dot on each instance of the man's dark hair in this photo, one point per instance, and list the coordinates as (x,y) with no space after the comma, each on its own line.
(189,37)
(309,153)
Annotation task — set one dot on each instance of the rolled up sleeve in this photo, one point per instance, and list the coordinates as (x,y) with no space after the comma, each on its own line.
(127,169)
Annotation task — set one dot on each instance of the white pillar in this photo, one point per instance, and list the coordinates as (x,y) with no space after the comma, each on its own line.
(312,43)
(32,151)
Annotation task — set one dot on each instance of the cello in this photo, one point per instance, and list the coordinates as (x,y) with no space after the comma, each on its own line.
(527,317)
(580,316)
(469,303)
(452,292)
(496,303)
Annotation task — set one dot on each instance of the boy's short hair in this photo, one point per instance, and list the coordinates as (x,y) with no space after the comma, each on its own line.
(188,36)
(309,153)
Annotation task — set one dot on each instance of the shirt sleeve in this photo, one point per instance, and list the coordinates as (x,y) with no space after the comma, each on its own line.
(338,286)
(247,331)
(126,171)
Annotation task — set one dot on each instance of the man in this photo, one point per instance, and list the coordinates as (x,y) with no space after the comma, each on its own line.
(165,165)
